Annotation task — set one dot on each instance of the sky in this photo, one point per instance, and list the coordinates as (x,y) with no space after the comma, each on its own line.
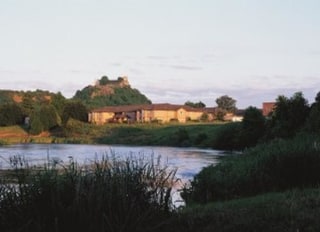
(171,50)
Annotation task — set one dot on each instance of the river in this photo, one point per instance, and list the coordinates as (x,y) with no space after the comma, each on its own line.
(188,161)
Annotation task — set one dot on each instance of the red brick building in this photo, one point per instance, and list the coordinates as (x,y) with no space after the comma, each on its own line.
(267,108)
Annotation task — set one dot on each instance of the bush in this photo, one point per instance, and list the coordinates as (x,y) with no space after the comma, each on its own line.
(11,114)
(226,137)
(75,110)
(276,166)
(107,195)
(36,126)
(180,138)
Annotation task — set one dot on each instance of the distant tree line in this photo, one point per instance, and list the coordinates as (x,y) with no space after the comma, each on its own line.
(38,116)
(290,116)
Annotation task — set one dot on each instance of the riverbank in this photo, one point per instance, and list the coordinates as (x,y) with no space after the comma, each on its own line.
(74,198)
(75,132)
(294,210)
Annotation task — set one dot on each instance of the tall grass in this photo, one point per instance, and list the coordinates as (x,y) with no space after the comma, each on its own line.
(133,194)
(276,166)
(294,210)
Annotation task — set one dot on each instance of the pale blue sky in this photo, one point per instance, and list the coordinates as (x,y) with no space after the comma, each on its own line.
(171,50)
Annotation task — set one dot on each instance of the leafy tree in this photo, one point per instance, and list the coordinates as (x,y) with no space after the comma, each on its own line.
(75,110)
(59,101)
(204,117)
(27,103)
(253,127)
(226,103)
(226,137)
(289,115)
(104,80)
(43,118)
(48,117)
(36,126)
(195,104)
(6,97)
(220,113)
(313,120)
(11,114)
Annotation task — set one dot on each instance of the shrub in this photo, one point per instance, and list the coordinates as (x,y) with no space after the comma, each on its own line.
(276,166)
(36,126)
(75,110)
(180,138)
(11,114)
(200,138)
(226,137)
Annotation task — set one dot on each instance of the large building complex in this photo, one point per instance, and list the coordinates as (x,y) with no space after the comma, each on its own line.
(148,113)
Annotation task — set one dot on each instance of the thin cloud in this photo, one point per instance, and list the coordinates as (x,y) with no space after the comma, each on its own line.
(158,57)
(185,67)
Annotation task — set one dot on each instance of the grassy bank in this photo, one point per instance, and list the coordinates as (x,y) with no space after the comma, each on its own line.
(190,134)
(276,166)
(294,210)
(162,135)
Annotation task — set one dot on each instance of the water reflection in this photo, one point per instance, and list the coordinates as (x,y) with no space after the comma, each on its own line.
(188,161)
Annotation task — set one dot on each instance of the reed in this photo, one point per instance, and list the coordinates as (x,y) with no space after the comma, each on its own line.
(132,194)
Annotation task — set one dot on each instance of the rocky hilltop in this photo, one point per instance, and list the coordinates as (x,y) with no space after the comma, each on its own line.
(104,86)
(107,92)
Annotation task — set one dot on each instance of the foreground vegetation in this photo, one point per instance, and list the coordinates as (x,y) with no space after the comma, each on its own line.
(135,195)
(293,210)
(107,195)
(276,166)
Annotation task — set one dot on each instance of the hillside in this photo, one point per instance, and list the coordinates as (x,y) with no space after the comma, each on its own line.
(14,96)
(107,92)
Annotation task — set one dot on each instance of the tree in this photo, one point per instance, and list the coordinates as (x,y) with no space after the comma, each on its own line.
(75,110)
(104,80)
(195,104)
(48,117)
(226,103)
(59,101)
(11,114)
(220,113)
(27,104)
(253,127)
(36,126)
(43,118)
(313,120)
(289,116)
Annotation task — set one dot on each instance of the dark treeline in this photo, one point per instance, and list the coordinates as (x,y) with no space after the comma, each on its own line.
(281,152)
(290,117)
(51,111)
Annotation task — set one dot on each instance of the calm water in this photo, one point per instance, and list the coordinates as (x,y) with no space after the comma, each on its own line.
(188,161)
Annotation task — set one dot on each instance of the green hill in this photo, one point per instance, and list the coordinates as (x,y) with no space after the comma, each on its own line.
(107,92)
(104,92)
(36,97)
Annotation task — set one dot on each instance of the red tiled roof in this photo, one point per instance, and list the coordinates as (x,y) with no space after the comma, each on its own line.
(161,106)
